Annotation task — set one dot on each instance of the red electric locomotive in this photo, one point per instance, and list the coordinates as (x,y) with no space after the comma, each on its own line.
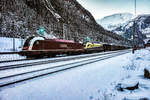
(39,47)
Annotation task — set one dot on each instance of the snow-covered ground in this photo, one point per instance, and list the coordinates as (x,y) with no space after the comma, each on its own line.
(10,44)
(135,73)
(96,81)
(7,57)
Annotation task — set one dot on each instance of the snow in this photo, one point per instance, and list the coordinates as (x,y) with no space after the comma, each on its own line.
(96,81)
(6,44)
(51,9)
(48,35)
(7,57)
(113,21)
(6,73)
(146,30)
(128,25)
(148,36)
(12,56)
(135,73)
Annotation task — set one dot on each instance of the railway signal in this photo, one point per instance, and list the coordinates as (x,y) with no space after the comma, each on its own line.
(88,39)
(41,31)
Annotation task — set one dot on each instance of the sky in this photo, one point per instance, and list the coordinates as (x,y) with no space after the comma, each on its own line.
(101,8)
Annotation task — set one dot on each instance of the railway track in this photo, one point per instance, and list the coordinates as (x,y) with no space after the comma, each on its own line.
(28,59)
(9,79)
(13,54)
(6,61)
(33,62)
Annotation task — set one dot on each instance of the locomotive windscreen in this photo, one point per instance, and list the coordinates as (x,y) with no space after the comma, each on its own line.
(28,41)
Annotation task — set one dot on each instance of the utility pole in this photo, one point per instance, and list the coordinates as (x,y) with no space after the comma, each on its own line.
(133,48)
(13,37)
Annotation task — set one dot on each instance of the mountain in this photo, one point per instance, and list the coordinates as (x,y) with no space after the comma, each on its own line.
(62,18)
(142,27)
(123,24)
(113,21)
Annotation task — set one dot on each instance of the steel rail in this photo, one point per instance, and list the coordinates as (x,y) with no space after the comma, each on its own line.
(52,60)
(17,78)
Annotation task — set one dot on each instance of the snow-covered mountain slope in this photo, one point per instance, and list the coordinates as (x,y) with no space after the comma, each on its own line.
(115,20)
(142,27)
(33,14)
(123,24)
(143,23)
(63,18)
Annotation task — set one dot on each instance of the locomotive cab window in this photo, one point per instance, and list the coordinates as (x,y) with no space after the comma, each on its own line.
(27,42)
(37,43)
(88,45)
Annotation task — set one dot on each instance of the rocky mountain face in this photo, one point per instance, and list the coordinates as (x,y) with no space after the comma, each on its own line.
(140,26)
(113,21)
(125,25)
(62,18)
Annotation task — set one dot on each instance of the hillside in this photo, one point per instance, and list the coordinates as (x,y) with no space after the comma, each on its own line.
(62,18)
(123,24)
(142,27)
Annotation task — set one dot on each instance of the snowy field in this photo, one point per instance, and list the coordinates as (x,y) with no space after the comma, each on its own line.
(7,45)
(7,57)
(96,81)
(10,44)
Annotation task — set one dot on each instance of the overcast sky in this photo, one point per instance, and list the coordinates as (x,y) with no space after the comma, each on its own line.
(101,8)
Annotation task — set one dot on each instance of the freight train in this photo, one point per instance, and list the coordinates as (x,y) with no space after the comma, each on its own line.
(41,47)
